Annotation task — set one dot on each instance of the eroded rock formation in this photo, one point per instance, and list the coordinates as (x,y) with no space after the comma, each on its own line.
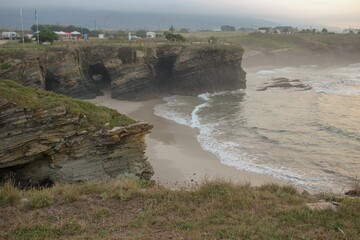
(284,83)
(45,146)
(132,72)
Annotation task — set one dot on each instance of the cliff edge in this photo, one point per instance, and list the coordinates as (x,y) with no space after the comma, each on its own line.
(132,73)
(47,138)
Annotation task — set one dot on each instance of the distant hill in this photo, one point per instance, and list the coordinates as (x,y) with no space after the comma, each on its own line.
(10,19)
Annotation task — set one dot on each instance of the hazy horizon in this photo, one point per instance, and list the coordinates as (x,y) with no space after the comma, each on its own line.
(328,13)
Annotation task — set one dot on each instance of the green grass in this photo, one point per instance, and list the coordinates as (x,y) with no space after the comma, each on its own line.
(36,232)
(269,42)
(38,100)
(250,42)
(215,210)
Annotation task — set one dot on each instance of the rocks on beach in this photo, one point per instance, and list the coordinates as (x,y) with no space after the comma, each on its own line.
(284,83)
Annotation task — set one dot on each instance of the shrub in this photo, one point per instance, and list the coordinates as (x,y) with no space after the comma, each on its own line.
(175,37)
(9,194)
(46,35)
(41,201)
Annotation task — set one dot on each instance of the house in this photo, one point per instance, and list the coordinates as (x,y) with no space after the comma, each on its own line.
(266,30)
(10,35)
(285,29)
(150,35)
(249,30)
(133,37)
(351,31)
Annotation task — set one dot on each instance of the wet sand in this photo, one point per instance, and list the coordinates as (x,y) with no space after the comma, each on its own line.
(174,152)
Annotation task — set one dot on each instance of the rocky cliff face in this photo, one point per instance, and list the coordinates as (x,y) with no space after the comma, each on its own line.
(132,72)
(46,146)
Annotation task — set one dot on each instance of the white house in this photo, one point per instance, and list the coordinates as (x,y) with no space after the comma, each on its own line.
(150,35)
(10,35)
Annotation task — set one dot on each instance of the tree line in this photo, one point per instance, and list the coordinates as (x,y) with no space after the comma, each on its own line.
(58,28)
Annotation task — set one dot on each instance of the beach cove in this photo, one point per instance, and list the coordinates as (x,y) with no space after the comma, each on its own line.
(174,152)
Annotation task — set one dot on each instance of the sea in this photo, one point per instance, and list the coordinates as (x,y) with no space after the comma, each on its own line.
(306,138)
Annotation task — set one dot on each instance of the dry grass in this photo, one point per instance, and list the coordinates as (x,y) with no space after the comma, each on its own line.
(132,209)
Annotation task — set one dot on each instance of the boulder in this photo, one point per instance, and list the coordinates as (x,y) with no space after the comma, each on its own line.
(284,83)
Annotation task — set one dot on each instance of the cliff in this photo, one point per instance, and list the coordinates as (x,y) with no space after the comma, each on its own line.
(131,72)
(47,138)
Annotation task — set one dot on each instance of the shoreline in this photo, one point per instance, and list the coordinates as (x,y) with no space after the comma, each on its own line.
(176,155)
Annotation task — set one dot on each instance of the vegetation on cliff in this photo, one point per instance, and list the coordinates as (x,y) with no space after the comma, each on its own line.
(39,99)
(270,42)
(132,209)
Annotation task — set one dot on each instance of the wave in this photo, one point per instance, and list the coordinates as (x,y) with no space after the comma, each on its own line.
(229,152)
(266,135)
(276,71)
(171,110)
(339,91)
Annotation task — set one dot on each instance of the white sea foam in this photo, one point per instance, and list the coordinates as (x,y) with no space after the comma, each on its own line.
(229,154)
(309,66)
(276,71)
(339,91)
(168,111)
(221,134)
(195,119)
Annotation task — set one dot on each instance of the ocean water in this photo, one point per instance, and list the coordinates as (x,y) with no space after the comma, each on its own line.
(307,138)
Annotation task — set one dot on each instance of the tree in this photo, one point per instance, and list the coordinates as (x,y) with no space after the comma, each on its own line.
(172,29)
(227,28)
(184,30)
(175,37)
(119,34)
(213,40)
(324,30)
(141,33)
(46,35)
(285,30)
(69,28)
(26,40)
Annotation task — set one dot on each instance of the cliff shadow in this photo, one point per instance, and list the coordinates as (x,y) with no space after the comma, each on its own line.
(51,82)
(165,70)
(100,76)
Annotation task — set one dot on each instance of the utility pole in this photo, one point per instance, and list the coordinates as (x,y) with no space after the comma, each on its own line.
(37,28)
(22,27)
(95,27)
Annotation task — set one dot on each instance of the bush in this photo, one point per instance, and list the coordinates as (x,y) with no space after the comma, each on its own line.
(26,40)
(46,35)
(175,37)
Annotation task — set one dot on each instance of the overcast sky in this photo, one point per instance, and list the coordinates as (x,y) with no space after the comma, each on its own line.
(337,13)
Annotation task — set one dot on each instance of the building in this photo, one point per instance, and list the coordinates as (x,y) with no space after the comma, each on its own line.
(150,35)
(285,29)
(267,30)
(10,35)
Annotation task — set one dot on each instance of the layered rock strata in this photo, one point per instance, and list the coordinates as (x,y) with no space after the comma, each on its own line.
(132,73)
(41,147)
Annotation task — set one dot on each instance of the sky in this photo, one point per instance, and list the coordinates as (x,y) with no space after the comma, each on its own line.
(336,13)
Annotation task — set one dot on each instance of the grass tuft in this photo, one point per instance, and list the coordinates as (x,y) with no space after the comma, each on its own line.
(9,194)
(40,201)
(36,233)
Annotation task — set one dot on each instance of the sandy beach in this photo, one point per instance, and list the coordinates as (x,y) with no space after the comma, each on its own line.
(174,152)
